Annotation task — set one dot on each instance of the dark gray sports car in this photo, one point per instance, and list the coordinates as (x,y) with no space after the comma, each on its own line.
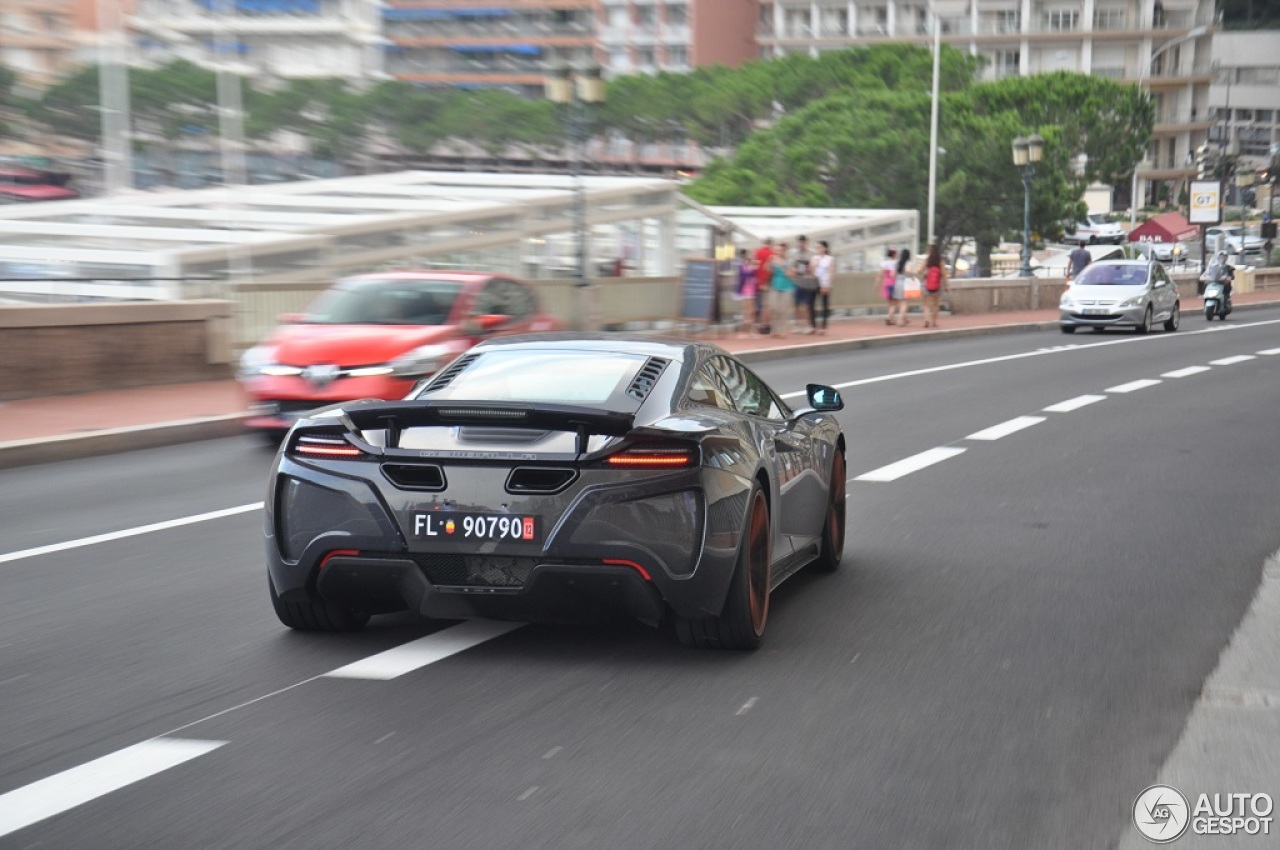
(560,478)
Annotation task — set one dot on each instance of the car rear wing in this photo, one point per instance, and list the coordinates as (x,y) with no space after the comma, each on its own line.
(397,416)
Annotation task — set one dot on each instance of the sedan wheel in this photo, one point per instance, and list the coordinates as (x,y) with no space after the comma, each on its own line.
(1145,327)
(741,623)
(833,529)
(1068,329)
(1175,318)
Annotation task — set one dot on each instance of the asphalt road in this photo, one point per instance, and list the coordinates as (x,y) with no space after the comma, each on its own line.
(1005,661)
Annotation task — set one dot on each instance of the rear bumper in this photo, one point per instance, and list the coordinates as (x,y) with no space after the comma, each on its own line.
(553,593)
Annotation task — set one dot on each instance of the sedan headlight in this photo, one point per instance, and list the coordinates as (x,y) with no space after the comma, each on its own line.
(420,362)
(1135,301)
(260,360)
(1066,303)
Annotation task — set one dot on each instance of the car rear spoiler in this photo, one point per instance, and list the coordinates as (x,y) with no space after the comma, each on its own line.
(396,416)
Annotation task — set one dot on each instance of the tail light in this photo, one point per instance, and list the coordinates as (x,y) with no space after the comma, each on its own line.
(654,456)
(325,447)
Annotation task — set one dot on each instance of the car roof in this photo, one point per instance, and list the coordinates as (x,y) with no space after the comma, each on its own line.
(425,274)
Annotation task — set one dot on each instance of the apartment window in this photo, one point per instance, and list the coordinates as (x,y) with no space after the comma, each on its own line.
(1109,19)
(644,57)
(1244,114)
(1061,20)
(677,16)
(646,16)
(1266,116)
(1008,63)
(1008,22)
(678,56)
(796,23)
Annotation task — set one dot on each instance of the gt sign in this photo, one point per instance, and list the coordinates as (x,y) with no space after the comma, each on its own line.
(1206,202)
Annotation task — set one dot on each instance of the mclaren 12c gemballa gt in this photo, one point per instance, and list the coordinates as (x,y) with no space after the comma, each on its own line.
(561,478)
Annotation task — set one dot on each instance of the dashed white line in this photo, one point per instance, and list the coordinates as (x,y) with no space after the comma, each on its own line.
(1133,385)
(1004,429)
(1182,373)
(746,706)
(551,753)
(128,532)
(1074,403)
(906,466)
(533,789)
(1231,361)
(418,653)
(78,785)
(1270,351)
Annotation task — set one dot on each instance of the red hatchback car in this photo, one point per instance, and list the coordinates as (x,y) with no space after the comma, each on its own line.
(376,335)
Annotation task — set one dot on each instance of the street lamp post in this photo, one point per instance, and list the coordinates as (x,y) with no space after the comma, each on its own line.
(1027,152)
(575,91)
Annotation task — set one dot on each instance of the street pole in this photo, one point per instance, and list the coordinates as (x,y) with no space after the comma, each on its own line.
(1027,152)
(933,128)
(577,133)
(113,92)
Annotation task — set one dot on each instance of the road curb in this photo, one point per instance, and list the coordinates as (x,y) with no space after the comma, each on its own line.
(110,441)
(836,346)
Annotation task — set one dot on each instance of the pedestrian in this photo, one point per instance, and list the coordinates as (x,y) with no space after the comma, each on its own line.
(901,273)
(746,292)
(764,275)
(1080,259)
(935,283)
(888,283)
(823,266)
(806,292)
(781,286)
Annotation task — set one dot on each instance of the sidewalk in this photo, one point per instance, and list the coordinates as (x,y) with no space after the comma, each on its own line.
(39,430)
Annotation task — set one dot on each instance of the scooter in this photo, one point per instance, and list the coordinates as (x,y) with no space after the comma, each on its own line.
(1216,302)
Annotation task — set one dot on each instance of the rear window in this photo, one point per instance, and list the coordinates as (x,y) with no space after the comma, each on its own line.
(552,377)
(1105,275)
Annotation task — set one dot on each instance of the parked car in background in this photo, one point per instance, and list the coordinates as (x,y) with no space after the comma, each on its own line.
(20,185)
(1097,228)
(556,478)
(376,335)
(1133,294)
(1235,240)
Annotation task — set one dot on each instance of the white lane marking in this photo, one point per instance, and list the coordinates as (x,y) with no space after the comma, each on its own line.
(1182,373)
(986,361)
(1133,385)
(746,706)
(1231,361)
(128,532)
(384,738)
(906,466)
(427,650)
(78,785)
(1074,403)
(533,789)
(1004,429)
(551,753)
(1270,351)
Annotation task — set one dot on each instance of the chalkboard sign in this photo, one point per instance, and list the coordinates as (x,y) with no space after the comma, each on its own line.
(698,298)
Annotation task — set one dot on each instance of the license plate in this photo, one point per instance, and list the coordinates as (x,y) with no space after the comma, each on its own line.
(1095,311)
(461,527)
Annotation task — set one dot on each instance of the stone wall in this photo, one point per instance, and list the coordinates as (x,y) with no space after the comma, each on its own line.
(69,348)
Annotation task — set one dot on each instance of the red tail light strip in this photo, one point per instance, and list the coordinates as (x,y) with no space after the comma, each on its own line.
(325,447)
(619,562)
(652,458)
(339,553)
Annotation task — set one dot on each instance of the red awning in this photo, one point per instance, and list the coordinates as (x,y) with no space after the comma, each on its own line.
(1166,227)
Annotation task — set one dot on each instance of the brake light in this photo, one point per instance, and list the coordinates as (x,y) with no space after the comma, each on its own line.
(654,457)
(330,447)
(339,553)
(619,562)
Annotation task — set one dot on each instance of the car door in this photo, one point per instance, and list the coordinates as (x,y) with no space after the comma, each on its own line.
(788,441)
(1165,293)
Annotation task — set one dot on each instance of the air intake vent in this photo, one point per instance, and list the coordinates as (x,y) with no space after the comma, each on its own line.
(414,476)
(534,479)
(647,378)
(456,367)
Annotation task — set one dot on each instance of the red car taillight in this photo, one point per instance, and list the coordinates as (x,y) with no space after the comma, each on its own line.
(652,456)
(325,447)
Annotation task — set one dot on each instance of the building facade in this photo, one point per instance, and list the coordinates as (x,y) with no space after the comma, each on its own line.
(646,36)
(38,38)
(1161,45)
(275,38)
(1245,96)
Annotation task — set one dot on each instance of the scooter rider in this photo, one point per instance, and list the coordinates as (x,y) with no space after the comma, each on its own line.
(1219,271)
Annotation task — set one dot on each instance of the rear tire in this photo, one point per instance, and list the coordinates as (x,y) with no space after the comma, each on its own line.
(1068,329)
(746,608)
(308,616)
(828,560)
(1175,319)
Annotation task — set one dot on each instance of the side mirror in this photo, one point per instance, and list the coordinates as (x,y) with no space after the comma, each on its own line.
(823,397)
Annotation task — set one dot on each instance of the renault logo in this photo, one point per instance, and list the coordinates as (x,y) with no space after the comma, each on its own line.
(321,374)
